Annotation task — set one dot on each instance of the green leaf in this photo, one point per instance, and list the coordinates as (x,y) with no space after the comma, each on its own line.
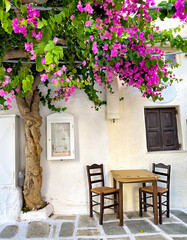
(58,18)
(27,83)
(40,25)
(48,58)
(154,61)
(39,65)
(2,73)
(44,21)
(74,70)
(23,9)
(58,51)
(50,46)
(185,6)
(40,47)
(8,6)
(148,63)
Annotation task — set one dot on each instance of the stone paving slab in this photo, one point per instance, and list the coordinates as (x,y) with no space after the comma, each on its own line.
(119,238)
(38,230)
(180,214)
(137,226)
(61,217)
(86,221)
(9,231)
(173,228)
(151,237)
(108,217)
(88,232)
(67,229)
(132,215)
(82,227)
(113,228)
(179,238)
(90,239)
(171,219)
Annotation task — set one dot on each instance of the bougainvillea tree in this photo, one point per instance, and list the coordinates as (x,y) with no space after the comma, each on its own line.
(79,45)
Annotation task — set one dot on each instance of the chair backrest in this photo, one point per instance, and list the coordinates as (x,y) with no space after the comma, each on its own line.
(95,175)
(164,171)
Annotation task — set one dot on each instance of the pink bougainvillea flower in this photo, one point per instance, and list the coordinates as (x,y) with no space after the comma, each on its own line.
(54,80)
(94,48)
(63,68)
(44,77)
(58,73)
(88,23)
(91,37)
(55,40)
(105,47)
(84,63)
(9,70)
(72,17)
(43,61)
(33,57)
(79,6)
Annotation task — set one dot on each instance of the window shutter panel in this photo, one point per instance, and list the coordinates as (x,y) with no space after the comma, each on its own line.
(153,129)
(169,129)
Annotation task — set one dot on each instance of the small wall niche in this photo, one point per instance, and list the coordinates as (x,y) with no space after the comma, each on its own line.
(60,136)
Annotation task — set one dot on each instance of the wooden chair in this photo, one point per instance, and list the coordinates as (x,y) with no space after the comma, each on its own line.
(163,191)
(96,177)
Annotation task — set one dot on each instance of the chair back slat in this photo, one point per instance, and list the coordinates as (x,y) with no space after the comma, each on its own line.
(95,175)
(164,171)
(163,181)
(161,173)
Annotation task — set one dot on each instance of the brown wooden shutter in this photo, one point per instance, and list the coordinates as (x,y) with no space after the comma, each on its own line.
(169,129)
(161,129)
(153,129)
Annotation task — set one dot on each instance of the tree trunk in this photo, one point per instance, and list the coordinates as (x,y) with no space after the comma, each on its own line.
(33,171)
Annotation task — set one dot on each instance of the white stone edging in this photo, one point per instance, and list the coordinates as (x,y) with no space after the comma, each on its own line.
(41,214)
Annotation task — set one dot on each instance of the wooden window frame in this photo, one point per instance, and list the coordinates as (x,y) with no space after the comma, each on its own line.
(161,131)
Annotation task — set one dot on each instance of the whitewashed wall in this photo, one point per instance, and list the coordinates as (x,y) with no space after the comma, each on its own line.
(119,145)
(128,141)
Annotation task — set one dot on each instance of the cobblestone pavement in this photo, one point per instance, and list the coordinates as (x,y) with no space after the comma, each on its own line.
(82,227)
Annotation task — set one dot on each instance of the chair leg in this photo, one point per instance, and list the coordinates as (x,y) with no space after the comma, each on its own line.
(91,205)
(145,201)
(101,208)
(140,203)
(160,208)
(117,201)
(168,208)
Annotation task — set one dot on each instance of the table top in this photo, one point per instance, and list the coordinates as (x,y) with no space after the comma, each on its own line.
(130,176)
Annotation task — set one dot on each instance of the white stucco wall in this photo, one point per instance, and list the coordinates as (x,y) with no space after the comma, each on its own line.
(128,141)
(65,182)
(119,145)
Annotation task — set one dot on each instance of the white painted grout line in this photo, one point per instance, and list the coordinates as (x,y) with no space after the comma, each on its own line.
(76,226)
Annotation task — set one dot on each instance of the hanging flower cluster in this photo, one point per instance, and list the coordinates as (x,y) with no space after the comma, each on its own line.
(119,41)
(180,13)
(6,95)
(122,50)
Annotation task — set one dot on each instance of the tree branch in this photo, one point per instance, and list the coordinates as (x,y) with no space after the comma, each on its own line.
(29,98)
(34,1)
(13,53)
(61,41)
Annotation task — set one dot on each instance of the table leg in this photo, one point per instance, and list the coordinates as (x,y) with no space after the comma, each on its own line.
(121,203)
(114,183)
(115,197)
(155,206)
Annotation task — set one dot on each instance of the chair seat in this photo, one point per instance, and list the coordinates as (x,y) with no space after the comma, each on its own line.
(105,190)
(149,189)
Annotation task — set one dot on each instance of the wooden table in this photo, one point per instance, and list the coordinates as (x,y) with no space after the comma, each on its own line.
(135,176)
